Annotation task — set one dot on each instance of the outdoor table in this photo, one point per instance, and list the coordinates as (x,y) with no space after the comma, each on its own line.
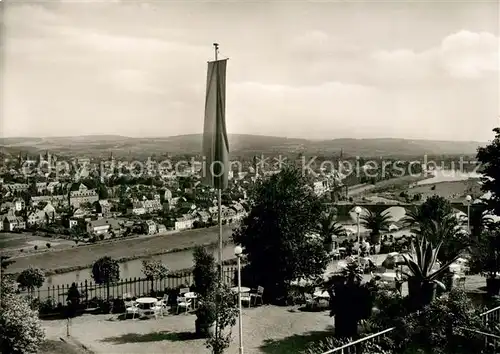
(146,300)
(298,282)
(321,294)
(342,264)
(145,304)
(244,289)
(387,276)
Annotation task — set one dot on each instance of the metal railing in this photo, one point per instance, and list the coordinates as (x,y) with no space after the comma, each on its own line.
(135,286)
(355,346)
(491,316)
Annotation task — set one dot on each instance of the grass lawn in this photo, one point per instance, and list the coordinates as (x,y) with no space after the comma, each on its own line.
(86,254)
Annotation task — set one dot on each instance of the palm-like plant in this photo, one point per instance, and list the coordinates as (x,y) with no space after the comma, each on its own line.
(447,232)
(479,220)
(328,228)
(376,221)
(414,217)
(422,276)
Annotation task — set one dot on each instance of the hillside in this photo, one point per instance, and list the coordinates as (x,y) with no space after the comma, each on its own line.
(240,145)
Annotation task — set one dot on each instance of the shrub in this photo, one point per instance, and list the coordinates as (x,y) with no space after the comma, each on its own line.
(275,234)
(154,270)
(204,272)
(105,271)
(332,343)
(31,278)
(20,328)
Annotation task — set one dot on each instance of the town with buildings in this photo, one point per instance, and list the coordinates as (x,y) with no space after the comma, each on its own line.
(92,202)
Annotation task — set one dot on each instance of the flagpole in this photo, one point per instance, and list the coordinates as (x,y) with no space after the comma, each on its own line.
(219,197)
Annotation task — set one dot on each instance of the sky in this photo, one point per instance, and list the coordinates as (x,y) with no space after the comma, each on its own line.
(318,70)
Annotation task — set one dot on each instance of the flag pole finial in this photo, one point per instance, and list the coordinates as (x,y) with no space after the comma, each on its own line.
(216,48)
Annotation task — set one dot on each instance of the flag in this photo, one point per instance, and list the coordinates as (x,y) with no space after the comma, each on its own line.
(215,142)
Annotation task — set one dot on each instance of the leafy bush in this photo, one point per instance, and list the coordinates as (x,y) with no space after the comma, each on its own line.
(105,271)
(154,270)
(275,234)
(332,343)
(204,272)
(438,327)
(226,311)
(20,329)
(31,278)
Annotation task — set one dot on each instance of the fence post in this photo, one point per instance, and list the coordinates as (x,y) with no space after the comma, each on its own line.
(86,292)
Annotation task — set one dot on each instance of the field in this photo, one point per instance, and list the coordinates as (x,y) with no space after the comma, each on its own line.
(449,190)
(85,255)
(26,242)
(400,183)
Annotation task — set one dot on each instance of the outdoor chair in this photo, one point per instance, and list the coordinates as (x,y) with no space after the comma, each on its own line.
(183,291)
(184,303)
(311,302)
(461,280)
(159,309)
(130,307)
(258,295)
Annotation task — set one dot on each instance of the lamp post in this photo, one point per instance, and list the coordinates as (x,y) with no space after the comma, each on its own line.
(238,251)
(357,210)
(468,200)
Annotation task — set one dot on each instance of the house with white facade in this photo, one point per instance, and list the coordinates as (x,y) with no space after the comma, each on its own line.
(185,222)
(150,227)
(12,223)
(19,204)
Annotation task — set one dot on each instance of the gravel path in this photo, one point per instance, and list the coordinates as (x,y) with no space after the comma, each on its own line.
(267,329)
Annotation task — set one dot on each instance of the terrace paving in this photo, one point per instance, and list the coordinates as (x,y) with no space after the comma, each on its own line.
(267,329)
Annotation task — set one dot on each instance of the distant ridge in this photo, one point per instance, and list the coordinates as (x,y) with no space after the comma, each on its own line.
(240,145)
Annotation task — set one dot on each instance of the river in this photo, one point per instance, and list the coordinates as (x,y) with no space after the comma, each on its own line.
(131,269)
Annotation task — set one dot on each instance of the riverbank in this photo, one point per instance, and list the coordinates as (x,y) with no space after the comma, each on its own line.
(82,257)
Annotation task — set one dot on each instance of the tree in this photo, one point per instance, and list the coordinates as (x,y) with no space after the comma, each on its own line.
(479,220)
(376,221)
(489,157)
(275,235)
(102,191)
(205,282)
(434,208)
(328,229)
(31,278)
(20,329)
(448,232)
(106,271)
(223,300)
(204,272)
(485,259)
(154,270)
